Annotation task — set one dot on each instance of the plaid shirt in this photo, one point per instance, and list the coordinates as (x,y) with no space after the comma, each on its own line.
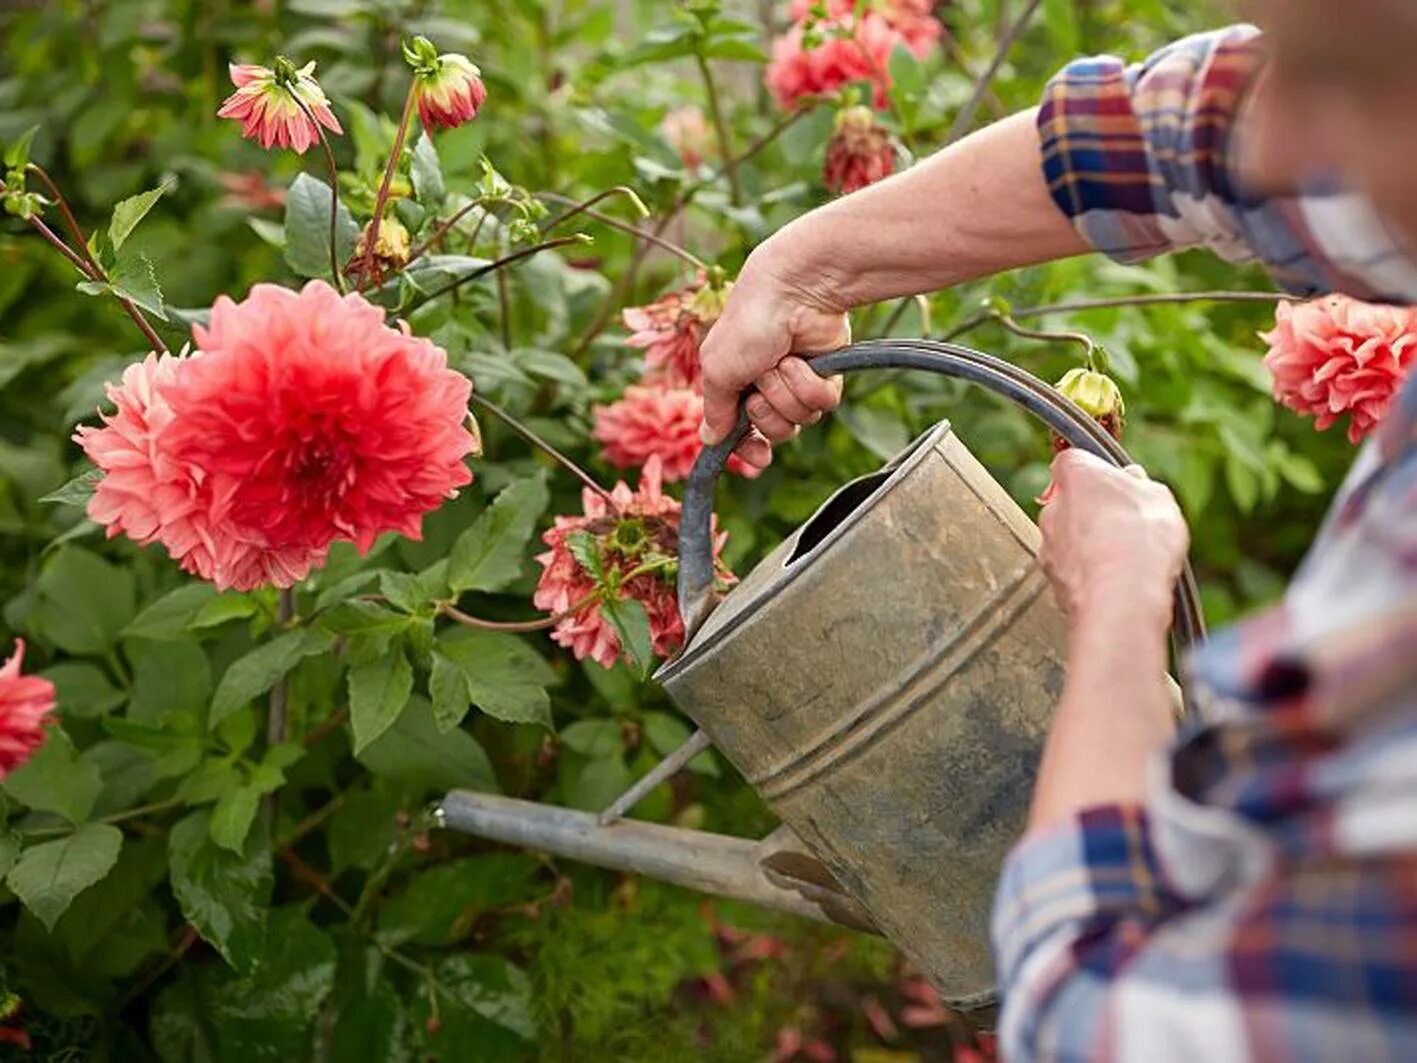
(1263,904)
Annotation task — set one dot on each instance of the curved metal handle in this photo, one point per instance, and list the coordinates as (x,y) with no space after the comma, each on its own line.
(696,568)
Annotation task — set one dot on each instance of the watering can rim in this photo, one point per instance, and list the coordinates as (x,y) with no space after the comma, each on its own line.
(706,637)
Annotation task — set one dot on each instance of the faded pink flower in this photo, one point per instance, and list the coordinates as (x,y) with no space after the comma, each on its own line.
(656,421)
(636,536)
(1336,356)
(448,88)
(689,133)
(267,103)
(670,329)
(852,50)
(303,420)
(914,20)
(26,702)
(859,153)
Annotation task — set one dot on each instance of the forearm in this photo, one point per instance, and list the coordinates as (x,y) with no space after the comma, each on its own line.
(973,209)
(1115,713)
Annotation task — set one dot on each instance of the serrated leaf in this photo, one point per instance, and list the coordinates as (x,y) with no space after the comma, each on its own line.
(84,601)
(585,548)
(486,997)
(439,905)
(127,213)
(594,738)
(406,591)
(448,690)
(254,674)
(223,609)
(378,692)
(77,491)
(223,895)
(427,173)
(307,228)
(488,556)
(504,677)
(551,365)
(82,690)
(631,623)
(169,616)
(415,750)
(232,817)
(133,278)
(56,779)
(48,877)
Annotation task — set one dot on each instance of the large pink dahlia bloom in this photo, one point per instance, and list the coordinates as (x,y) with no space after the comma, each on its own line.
(651,420)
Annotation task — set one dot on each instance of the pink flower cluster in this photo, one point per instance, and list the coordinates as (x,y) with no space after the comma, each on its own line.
(849,47)
(632,531)
(302,419)
(26,702)
(1335,356)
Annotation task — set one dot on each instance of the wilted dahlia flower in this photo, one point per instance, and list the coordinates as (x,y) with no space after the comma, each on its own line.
(919,29)
(1338,355)
(303,420)
(636,537)
(670,329)
(447,88)
(267,103)
(652,421)
(25,704)
(852,49)
(859,153)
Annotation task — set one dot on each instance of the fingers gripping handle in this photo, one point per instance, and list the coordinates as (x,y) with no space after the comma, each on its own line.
(696,565)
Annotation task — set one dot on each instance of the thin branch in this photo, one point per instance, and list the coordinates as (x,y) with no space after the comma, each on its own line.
(313,821)
(536,441)
(451,611)
(63,248)
(725,146)
(956,56)
(325,726)
(585,205)
(71,224)
(334,192)
(275,721)
(1079,305)
(371,273)
(965,118)
(1081,338)
(492,267)
(316,881)
(187,936)
(441,230)
(624,227)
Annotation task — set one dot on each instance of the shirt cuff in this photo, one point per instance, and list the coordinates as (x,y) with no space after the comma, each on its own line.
(1081,875)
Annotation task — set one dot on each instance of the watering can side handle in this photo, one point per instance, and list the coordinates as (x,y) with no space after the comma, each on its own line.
(696,565)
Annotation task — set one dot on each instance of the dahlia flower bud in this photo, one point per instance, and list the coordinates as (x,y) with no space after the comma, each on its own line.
(391,249)
(859,153)
(279,105)
(448,88)
(1098,396)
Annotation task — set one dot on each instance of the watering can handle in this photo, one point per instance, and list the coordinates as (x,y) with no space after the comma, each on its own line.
(696,565)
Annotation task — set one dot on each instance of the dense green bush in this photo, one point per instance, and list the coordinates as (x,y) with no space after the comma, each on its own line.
(186,882)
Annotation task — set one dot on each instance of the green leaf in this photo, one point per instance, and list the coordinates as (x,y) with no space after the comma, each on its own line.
(84,602)
(9,851)
(223,895)
(307,228)
(448,689)
(370,1025)
(592,784)
(414,749)
(594,738)
(487,1003)
(427,173)
(134,278)
(171,680)
(378,692)
(223,609)
(254,674)
(503,676)
(735,48)
(438,907)
(1299,472)
(631,623)
(488,556)
(17,155)
(129,212)
(56,779)
(1060,17)
(48,877)
(77,491)
(667,733)
(171,615)
(82,690)
(406,591)
(232,817)
(585,548)
(551,365)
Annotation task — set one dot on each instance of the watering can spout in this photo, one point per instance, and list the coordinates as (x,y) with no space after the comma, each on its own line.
(773,873)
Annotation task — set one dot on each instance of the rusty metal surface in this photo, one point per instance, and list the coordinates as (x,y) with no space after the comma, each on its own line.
(888,693)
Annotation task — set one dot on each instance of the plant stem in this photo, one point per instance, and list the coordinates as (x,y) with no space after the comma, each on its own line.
(624,227)
(1078,305)
(492,267)
(71,224)
(313,821)
(441,230)
(275,721)
(117,817)
(452,612)
(334,193)
(584,205)
(905,134)
(965,118)
(315,880)
(536,441)
(725,148)
(1044,334)
(186,937)
(370,259)
(504,308)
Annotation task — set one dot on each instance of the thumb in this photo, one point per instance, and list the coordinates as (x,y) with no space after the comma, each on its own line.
(720,411)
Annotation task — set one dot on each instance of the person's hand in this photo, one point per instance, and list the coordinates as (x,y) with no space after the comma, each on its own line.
(1114,541)
(771,316)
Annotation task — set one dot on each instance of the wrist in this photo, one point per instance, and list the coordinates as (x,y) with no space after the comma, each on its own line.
(1110,607)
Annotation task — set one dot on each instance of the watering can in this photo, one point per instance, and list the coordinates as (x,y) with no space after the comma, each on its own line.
(884,679)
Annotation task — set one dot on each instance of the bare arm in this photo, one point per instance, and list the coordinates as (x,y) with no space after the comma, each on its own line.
(973,209)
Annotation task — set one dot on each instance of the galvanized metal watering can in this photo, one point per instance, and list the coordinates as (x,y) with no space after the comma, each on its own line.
(884,679)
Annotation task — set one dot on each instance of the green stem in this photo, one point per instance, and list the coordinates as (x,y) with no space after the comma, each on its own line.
(1079,305)
(730,166)
(493,267)
(536,441)
(965,118)
(334,193)
(370,258)
(117,817)
(1045,334)
(452,612)
(624,227)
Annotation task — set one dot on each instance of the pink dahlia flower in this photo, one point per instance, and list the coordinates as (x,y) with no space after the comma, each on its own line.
(859,153)
(914,20)
(853,50)
(1338,355)
(448,88)
(652,421)
(636,536)
(670,329)
(267,103)
(303,420)
(26,702)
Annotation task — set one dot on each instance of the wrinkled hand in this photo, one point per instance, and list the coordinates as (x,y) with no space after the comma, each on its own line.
(1114,541)
(771,317)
